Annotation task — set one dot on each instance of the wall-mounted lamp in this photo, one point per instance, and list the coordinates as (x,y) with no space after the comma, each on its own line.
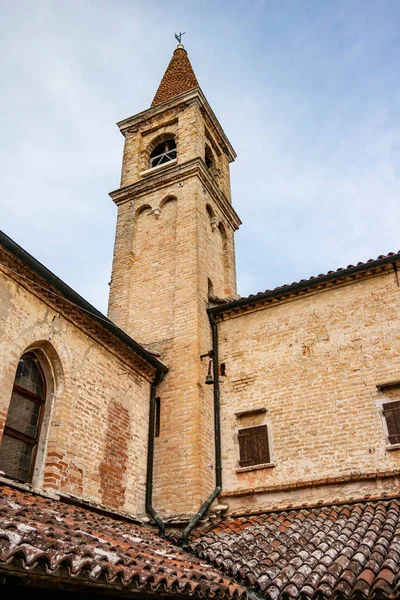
(209,379)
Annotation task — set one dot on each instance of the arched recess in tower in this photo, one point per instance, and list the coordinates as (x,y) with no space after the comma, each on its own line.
(155,239)
(215,252)
(167,199)
(225,260)
(211,216)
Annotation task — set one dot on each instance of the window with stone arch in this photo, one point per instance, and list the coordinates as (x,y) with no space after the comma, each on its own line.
(22,430)
(163,152)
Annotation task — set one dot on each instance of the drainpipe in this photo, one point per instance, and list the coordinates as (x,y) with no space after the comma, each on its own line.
(150,456)
(217,440)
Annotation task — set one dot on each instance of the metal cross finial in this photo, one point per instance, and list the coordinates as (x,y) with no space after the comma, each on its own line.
(179,35)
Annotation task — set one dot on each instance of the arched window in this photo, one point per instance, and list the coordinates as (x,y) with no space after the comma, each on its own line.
(22,429)
(163,153)
(209,157)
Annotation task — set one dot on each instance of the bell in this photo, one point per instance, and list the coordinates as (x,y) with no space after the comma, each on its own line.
(209,379)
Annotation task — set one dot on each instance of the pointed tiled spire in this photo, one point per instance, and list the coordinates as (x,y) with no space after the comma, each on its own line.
(178,78)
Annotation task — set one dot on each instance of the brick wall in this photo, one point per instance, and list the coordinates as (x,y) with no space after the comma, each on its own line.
(314,363)
(173,235)
(94,438)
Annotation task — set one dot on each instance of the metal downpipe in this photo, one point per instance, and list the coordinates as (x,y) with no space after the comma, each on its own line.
(217,440)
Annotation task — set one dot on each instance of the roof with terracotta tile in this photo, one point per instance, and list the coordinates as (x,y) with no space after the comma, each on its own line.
(351,271)
(48,537)
(351,550)
(178,78)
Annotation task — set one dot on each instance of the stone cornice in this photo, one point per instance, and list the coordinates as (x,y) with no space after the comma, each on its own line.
(297,485)
(178,173)
(194,96)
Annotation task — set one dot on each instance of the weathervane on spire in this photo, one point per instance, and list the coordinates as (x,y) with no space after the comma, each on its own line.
(178,36)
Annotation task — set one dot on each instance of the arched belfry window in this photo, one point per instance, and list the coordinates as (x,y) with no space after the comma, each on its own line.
(209,157)
(22,429)
(163,153)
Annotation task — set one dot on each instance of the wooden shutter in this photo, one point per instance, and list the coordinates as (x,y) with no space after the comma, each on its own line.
(391,410)
(253,446)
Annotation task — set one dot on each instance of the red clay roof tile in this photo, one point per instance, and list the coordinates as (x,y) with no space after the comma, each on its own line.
(352,549)
(178,78)
(314,280)
(47,535)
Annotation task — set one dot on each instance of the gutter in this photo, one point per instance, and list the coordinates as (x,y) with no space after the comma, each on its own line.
(150,456)
(305,284)
(217,440)
(75,298)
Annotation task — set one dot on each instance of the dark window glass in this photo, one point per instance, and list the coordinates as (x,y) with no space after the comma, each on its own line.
(22,428)
(391,411)
(253,446)
(158,417)
(163,153)
(28,375)
(15,458)
(23,414)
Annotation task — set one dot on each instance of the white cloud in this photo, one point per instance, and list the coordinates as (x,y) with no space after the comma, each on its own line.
(308,94)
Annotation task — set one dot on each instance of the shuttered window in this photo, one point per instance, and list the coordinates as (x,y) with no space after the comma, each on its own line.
(391,411)
(253,446)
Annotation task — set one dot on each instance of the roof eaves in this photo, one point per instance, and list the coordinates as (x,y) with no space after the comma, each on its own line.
(76,299)
(192,95)
(304,284)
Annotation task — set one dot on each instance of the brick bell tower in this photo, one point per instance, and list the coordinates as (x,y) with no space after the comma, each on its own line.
(174,248)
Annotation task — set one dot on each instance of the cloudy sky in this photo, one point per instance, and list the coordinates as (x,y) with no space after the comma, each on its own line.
(308,91)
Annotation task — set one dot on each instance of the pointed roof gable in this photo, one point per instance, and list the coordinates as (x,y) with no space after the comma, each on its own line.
(178,78)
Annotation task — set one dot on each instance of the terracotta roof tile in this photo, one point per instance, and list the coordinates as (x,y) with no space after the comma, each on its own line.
(352,550)
(48,535)
(304,284)
(178,78)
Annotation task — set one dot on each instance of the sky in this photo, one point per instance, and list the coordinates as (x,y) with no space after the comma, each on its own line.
(308,92)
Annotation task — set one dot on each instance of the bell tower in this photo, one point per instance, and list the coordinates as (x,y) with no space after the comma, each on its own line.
(174,248)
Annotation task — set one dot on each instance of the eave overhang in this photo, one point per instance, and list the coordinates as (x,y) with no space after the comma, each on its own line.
(340,276)
(193,96)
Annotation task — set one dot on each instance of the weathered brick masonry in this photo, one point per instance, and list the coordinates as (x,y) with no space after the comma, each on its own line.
(314,363)
(173,247)
(308,365)
(94,435)
(308,376)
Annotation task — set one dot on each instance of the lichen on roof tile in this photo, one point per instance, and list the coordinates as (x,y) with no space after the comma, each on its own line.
(46,535)
(324,552)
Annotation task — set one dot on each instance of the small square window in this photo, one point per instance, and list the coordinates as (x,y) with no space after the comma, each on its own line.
(254,446)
